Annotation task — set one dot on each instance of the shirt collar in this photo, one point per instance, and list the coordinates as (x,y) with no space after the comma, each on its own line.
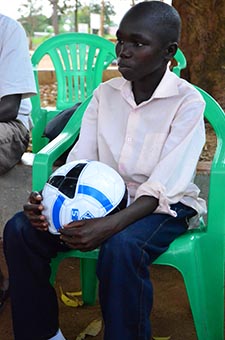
(167,87)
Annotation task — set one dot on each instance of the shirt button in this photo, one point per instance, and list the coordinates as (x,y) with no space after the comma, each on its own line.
(129,139)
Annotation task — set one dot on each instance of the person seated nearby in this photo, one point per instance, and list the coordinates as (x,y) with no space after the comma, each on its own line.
(16,86)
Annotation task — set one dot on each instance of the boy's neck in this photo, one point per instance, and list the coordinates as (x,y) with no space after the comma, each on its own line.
(143,89)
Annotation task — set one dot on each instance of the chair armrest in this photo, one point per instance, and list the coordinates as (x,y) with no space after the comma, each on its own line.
(45,158)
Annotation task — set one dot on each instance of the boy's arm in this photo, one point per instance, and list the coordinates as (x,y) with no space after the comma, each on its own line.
(173,174)
(86,235)
(87,145)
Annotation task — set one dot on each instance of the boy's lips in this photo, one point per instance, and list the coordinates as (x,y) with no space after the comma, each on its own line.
(121,64)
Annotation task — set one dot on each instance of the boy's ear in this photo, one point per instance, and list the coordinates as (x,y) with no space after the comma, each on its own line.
(171,50)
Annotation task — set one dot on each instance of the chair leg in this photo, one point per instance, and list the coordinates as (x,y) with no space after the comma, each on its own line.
(54,267)
(88,276)
(204,279)
(88,280)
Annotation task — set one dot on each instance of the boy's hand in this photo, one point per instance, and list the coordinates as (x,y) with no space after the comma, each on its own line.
(88,234)
(33,210)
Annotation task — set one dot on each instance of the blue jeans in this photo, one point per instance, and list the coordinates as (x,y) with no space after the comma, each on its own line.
(125,290)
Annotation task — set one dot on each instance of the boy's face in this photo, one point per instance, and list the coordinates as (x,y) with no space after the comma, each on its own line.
(139,49)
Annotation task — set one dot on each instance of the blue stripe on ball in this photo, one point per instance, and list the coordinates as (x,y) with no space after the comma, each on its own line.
(56,211)
(98,195)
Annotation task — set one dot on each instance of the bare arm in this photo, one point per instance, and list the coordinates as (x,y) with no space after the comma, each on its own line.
(89,234)
(9,107)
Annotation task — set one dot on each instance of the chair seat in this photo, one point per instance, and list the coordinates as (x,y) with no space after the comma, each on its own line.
(180,247)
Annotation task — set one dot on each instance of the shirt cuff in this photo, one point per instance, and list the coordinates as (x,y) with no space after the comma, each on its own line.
(158,191)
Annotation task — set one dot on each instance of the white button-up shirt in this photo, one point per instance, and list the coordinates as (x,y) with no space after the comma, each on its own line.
(155,146)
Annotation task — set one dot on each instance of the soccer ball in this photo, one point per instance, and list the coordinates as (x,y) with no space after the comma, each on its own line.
(82,190)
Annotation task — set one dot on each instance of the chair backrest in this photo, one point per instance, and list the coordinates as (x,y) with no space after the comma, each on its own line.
(79,60)
(181,62)
(216,199)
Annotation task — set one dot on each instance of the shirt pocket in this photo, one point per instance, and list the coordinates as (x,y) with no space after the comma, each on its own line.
(150,152)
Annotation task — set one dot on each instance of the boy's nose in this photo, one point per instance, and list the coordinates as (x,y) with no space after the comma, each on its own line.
(125,51)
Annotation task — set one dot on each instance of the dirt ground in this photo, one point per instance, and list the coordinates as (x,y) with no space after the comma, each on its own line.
(171,316)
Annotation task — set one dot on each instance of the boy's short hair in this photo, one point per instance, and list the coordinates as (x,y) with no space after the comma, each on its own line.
(165,17)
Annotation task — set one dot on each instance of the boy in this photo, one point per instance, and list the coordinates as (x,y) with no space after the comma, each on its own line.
(148,125)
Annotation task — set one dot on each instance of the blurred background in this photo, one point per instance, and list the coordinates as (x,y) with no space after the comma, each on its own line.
(202,41)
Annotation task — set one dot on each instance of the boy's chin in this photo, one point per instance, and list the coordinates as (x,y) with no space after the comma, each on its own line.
(127,76)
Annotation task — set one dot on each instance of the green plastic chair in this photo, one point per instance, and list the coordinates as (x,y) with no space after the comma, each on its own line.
(79,60)
(198,254)
(181,62)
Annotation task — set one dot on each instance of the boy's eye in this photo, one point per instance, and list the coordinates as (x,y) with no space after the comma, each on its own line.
(138,44)
(119,41)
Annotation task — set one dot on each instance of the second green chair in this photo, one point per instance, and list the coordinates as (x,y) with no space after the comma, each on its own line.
(79,60)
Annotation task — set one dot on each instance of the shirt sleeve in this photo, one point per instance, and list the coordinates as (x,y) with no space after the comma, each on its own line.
(173,174)
(15,64)
(87,145)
